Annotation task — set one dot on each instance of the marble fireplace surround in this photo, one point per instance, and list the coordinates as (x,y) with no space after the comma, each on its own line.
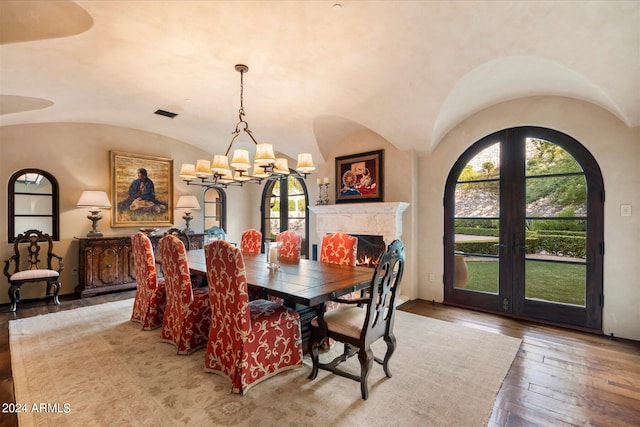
(375,219)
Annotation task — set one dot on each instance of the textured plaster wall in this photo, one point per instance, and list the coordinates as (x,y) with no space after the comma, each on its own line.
(78,156)
(400,185)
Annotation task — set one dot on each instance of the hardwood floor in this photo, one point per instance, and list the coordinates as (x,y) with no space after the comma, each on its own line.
(559,377)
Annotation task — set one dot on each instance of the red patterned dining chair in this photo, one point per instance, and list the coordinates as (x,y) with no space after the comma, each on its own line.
(339,248)
(360,322)
(151,297)
(251,241)
(188,315)
(249,341)
(291,243)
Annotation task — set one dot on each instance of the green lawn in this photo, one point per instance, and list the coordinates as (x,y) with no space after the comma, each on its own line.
(564,283)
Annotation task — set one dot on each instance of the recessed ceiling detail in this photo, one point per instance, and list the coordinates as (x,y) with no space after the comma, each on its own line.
(17,104)
(22,21)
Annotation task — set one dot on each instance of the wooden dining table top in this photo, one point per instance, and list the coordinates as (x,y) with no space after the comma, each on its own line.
(306,282)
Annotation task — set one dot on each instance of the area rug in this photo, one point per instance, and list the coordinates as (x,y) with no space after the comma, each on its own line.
(92,366)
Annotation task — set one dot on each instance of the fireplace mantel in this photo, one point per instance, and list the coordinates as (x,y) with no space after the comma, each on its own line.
(377,219)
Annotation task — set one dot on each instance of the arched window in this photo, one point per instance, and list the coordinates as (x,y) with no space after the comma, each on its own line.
(215,208)
(33,203)
(285,206)
(524,228)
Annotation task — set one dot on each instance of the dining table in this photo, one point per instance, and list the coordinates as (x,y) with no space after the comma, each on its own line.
(305,282)
(305,285)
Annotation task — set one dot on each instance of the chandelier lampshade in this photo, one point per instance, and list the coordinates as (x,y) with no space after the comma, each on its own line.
(223,172)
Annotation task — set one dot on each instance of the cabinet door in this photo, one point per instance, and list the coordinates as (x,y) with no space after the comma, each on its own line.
(108,265)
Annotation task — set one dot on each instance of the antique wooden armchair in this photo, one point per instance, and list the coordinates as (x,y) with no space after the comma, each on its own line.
(360,322)
(33,261)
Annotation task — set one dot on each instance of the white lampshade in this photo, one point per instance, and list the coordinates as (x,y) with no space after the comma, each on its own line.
(94,199)
(188,202)
(203,168)
(226,178)
(241,177)
(281,166)
(240,160)
(305,163)
(264,155)
(188,171)
(220,165)
(260,172)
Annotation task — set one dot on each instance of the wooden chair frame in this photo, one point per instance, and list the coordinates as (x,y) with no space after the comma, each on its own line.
(28,269)
(375,313)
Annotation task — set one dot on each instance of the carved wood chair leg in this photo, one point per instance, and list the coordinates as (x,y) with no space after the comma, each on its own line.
(391,347)
(14,296)
(366,363)
(56,291)
(313,351)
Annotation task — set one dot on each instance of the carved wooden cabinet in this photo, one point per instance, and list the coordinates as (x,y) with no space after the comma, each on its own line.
(106,264)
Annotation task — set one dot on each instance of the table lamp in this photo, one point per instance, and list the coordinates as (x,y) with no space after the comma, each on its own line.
(94,200)
(188,202)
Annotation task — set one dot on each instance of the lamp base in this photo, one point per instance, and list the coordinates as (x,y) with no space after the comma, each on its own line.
(94,217)
(187,219)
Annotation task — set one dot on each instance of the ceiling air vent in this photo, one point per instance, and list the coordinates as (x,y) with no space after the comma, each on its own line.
(165,113)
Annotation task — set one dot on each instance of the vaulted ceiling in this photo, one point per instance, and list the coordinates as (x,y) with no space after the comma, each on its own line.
(318,70)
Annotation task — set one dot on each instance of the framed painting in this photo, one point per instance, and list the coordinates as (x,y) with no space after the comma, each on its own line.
(141,190)
(359,177)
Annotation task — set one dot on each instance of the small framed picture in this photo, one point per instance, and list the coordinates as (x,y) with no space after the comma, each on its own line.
(141,190)
(359,177)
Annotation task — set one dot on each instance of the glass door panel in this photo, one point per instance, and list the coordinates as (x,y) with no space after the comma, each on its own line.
(477,223)
(556,225)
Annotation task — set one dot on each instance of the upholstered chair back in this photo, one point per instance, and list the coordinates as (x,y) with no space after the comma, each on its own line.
(249,341)
(251,241)
(290,245)
(188,315)
(151,299)
(339,248)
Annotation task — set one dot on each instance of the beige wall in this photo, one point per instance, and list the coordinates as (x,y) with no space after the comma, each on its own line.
(617,150)
(78,156)
(400,179)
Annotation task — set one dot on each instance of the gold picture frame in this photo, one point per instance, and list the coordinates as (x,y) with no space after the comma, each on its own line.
(359,177)
(141,190)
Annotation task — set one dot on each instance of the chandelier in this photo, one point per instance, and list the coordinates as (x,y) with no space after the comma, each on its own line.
(265,165)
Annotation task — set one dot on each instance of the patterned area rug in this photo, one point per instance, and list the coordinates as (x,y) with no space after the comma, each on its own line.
(93,367)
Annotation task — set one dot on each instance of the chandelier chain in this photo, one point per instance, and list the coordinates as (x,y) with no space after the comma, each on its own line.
(266,165)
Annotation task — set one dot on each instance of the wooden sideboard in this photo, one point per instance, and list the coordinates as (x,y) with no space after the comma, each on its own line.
(105,264)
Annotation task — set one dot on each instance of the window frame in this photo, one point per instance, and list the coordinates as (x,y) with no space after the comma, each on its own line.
(11,203)
(284,217)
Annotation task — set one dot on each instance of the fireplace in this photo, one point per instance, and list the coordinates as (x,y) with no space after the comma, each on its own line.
(374,224)
(369,249)
(366,219)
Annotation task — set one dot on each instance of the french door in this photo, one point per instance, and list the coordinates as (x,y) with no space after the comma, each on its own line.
(524,228)
(285,206)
